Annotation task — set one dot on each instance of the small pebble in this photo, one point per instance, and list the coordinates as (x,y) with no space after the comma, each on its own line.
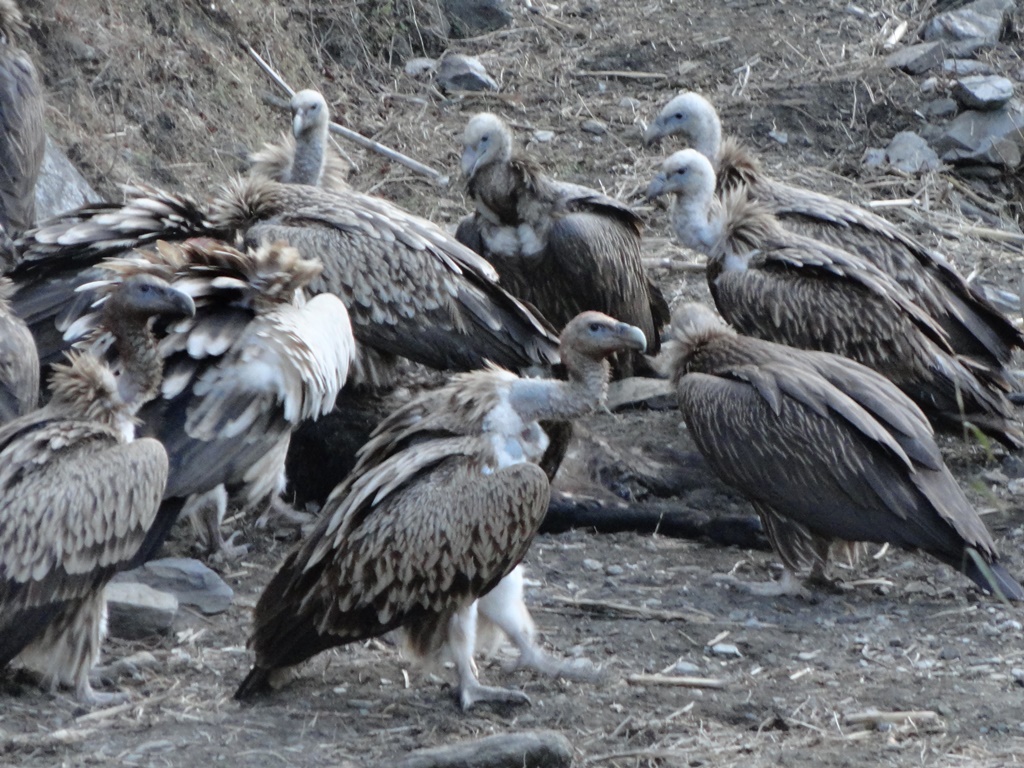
(615,570)
(543,136)
(726,649)
(595,127)
(592,565)
(686,668)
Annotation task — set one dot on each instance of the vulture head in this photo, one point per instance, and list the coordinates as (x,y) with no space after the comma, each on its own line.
(143,296)
(595,336)
(486,140)
(694,118)
(86,388)
(686,174)
(310,115)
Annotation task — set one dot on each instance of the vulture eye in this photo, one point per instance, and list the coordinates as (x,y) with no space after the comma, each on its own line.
(595,327)
(679,115)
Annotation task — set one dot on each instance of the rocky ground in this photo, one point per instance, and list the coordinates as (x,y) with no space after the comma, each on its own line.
(163,93)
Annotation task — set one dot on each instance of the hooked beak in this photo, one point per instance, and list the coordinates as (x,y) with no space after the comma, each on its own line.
(632,337)
(297,122)
(470,156)
(653,134)
(180,304)
(656,188)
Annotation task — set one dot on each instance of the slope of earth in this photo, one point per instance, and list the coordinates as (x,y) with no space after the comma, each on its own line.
(161,92)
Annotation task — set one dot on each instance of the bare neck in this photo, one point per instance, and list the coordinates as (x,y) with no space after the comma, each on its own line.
(137,361)
(697,221)
(310,156)
(550,399)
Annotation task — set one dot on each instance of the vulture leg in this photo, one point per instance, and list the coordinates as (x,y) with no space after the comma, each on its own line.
(64,657)
(279,515)
(503,609)
(206,511)
(788,585)
(461,641)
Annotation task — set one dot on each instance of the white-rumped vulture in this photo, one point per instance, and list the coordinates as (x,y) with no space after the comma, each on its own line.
(442,506)
(19,361)
(976,328)
(78,494)
(778,285)
(410,289)
(303,156)
(825,443)
(255,361)
(562,247)
(22,134)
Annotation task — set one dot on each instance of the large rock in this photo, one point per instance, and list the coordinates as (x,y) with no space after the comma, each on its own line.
(60,187)
(993,138)
(917,59)
(909,153)
(135,610)
(475,17)
(456,72)
(982,91)
(982,21)
(191,582)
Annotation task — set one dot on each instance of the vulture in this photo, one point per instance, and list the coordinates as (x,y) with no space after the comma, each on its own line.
(781,286)
(440,508)
(78,494)
(19,361)
(22,135)
(255,361)
(562,247)
(975,327)
(824,448)
(302,156)
(410,289)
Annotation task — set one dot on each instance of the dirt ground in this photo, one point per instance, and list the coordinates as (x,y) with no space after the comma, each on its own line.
(160,92)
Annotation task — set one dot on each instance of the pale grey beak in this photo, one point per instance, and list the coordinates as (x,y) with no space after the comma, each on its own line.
(653,134)
(656,188)
(632,336)
(470,155)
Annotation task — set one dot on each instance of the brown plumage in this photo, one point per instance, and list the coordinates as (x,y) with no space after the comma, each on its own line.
(562,247)
(78,494)
(410,289)
(19,361)
(825,443)
(302,156)
(976,328)
(781,286)
(443,504)
(255,361)
(22,135)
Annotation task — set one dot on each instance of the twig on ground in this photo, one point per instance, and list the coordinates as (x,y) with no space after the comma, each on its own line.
(682,681)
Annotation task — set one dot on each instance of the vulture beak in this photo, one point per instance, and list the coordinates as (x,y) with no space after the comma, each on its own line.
(469,160)
(298,122)
(656,188)
(180,304)
(653,134)
(632,337)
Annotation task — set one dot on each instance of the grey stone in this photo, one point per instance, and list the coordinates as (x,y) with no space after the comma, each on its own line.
(727,650)
(592,565)
(944,107)
(595,127)
(615,570)
(60,187)
(965,67)
(983,19)
(136,610)
(993,137)
(909,153)
(543,136)
(191,582)
(464,73)
(686,668)
(916,59)
(475,17)
(982,91)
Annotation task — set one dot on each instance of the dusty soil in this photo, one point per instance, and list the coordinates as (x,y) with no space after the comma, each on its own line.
(159,92)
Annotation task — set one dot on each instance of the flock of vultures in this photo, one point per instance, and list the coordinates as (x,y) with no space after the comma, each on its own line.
(181,343)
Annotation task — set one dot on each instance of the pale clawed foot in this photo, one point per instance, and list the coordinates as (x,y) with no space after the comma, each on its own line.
(225,550)
(90,697)
(579,670)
